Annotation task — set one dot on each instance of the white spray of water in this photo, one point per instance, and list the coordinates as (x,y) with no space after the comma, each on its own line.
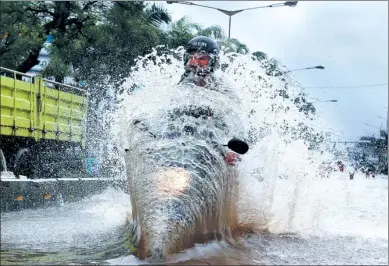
(280,186)
(90,222)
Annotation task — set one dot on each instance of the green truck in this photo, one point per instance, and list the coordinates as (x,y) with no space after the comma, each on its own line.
(42,144)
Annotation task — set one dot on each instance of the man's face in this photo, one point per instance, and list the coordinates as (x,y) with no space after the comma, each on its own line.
(199,63)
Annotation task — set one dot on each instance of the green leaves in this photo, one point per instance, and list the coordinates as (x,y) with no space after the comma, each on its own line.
(231,45)
(95,41)
(156,15)
(259,56)
(376,147)
(94,38)
(20,32)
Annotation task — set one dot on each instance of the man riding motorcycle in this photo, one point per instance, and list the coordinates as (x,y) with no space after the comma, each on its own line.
(201,60)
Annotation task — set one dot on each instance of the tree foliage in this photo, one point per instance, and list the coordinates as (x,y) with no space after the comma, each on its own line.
(376,147)
(95,39)
(97,42)
(20,34)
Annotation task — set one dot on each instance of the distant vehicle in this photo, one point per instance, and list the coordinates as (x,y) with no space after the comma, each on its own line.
(42,125)
(42,154)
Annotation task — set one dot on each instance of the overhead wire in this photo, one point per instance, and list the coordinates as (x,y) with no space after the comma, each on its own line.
(348,87)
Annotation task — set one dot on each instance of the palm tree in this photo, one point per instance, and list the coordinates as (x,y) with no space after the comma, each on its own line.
(378,147)
(214,31)
(182,30)
(231,45)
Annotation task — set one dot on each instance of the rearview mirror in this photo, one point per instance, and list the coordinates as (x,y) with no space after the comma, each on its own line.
(238,146)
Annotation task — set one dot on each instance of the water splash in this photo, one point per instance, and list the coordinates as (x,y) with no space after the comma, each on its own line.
(280,187)
(179,135)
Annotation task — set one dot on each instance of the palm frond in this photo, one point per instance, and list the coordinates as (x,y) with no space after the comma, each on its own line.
(214,31)
(260,55)
(156,15)
(230,45)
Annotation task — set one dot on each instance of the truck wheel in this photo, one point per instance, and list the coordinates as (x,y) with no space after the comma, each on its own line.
(3,162)
(23,163)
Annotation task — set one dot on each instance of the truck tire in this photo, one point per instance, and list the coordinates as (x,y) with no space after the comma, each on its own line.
(23,163)
(3,162)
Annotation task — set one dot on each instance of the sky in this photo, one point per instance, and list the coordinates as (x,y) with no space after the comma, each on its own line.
(348,38)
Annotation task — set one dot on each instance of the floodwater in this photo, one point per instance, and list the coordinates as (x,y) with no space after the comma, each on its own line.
(299,216)
(91,231)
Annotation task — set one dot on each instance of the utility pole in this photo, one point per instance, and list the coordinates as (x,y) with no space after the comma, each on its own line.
(230,13)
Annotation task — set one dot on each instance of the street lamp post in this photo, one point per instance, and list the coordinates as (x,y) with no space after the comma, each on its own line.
(305,68)
(281,73)
(326,101)
(230,13)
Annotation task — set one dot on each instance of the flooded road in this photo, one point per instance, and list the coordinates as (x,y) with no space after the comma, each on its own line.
(91,232)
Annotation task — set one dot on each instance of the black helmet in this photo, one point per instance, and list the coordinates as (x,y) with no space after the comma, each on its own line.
(205,45)
(202,43)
